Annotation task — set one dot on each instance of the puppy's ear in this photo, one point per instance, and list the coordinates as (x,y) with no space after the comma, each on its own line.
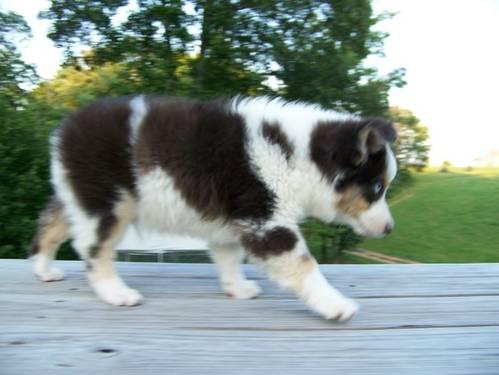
(385,129)
(372,138)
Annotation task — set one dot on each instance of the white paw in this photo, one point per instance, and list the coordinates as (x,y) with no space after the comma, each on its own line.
(43,269)
(117,293)
(336,308)
(243,290)
(49,274)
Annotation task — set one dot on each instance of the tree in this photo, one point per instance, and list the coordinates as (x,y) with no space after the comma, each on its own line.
(320,46)
(412,148)
(23,169)
(13,71)
(232,47)
(150,42)
(155,44)
(77,84)
(225,62)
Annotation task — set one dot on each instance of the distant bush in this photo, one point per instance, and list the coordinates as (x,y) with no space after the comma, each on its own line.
(445,167)
(328,241)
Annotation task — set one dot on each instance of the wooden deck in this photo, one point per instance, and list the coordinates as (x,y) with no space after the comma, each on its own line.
(414,319)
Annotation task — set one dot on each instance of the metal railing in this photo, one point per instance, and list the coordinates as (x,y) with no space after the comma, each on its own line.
(165,256)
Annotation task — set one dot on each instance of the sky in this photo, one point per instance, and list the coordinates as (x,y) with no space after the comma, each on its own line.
(449,48)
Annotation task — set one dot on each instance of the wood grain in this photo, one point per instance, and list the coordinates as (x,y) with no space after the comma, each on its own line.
(414,319)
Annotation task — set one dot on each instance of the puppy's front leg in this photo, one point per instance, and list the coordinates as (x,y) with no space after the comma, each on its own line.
(228,261)
(283,254)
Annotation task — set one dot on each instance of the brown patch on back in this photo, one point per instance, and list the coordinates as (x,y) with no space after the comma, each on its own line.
(95,149)
(201,145)
(352,201)
(274,135)
(273,242)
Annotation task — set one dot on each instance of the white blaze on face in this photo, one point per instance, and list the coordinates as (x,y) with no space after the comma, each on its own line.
(378,220)
(391,164)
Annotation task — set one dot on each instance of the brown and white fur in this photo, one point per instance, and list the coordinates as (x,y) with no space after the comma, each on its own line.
(240,173)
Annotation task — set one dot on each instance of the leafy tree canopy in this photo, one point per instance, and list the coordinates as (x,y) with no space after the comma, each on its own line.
(314,48)
(23,171)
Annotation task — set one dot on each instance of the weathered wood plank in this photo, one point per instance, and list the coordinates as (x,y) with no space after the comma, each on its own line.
(415,319)
(206,270)
(171,312)
(428,351)
(355,280)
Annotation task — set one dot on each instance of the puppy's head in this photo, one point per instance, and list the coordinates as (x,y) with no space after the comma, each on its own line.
(357,158)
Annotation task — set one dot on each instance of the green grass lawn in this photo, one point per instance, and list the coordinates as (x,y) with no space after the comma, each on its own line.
(445,217)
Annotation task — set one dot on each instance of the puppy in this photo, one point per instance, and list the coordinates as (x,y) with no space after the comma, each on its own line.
(239,173)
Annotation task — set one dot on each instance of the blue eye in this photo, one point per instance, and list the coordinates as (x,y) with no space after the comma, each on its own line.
(377,188)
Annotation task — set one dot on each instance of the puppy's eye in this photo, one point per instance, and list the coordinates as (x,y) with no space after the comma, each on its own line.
(377,188)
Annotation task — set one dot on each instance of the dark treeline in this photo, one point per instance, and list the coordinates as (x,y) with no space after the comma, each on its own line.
(308,50)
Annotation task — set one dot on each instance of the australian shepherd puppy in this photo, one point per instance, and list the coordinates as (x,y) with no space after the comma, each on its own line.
(239,173)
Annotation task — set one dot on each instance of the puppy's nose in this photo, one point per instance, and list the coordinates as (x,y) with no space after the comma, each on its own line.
(388,228)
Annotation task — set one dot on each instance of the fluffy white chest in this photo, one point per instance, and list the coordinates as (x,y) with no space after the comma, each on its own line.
(161,207)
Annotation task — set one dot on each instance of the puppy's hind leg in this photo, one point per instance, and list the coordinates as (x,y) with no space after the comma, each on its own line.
(228,261)
(53,230)
(97,246)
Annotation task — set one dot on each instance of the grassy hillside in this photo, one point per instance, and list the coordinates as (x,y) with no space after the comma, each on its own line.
(445,217)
